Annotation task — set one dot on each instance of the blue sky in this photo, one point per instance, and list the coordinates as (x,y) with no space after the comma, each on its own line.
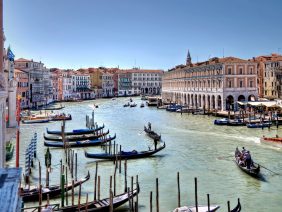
(143,33)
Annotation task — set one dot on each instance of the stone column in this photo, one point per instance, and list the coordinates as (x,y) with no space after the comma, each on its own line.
(12,102)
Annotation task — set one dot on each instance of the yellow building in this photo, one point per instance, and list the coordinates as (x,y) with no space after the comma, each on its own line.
(96,80)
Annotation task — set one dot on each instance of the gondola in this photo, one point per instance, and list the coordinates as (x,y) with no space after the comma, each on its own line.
(76,137)
(76,131)
(80,143)
(254,170)
(126,105)
(104,204)
(238,207)
(35,121)
(259,125)
(201,208)
(152,134)
(33,193)
(124,155)
(133,105)
(61,118)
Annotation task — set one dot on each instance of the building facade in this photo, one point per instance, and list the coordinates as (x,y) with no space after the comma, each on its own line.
(214,84)
(22,87)
(81,85)
(39,79)
(269,76)
(108,84)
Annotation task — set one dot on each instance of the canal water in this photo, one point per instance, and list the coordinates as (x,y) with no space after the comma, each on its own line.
(195,147)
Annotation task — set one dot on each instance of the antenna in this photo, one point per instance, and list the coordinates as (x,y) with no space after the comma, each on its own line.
(223,52)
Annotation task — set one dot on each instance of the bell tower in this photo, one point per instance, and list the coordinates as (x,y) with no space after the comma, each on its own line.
(188,59)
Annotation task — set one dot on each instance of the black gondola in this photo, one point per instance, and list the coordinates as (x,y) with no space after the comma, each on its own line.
(86,143)
(104,204)
(254,170)
(76,138)
(76,132)
(238,207)
(152,134)
(124,155)
(52,191)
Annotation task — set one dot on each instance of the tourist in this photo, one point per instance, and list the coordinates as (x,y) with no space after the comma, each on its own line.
(149,125)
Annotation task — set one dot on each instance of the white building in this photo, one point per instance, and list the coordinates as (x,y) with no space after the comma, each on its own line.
(107,84)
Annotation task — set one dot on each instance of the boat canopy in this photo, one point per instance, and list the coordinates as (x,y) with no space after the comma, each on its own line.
(260,103)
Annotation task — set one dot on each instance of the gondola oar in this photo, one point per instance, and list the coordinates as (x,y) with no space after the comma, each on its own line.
(266,168)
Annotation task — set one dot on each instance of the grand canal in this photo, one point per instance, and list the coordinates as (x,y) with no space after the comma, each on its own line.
(194,147)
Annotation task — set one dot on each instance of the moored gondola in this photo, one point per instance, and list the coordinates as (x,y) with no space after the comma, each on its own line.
(32,194)
(104,204)
(152,134)
(76,131)
(76,137)
(253,170)
(35,121)
(124,155)
(85,143)
(200,208)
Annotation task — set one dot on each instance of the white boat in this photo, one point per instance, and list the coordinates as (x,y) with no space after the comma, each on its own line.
(193,208)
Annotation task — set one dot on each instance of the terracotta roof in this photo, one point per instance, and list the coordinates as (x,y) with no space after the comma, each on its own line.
(23,60)
(18,71)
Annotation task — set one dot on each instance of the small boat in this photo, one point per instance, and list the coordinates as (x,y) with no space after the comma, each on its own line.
(54,108)
(124,155)
(193,208)
(85,143)
(130,100)
(142,105)
(9,151)
(254,170)
(238,207)
(152,134)
(276,141)
(35,121)
(76,131)
(237,122)
(126,105)
(113,98)
(162,107)
(133,104)
(223,121)
(76,137)
(32,194)
(173,108)
(104,204)
(259,125)
(60,117)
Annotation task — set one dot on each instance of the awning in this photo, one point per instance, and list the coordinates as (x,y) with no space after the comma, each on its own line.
(259,103)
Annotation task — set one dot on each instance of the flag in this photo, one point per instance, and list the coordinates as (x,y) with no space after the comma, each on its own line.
(10,54)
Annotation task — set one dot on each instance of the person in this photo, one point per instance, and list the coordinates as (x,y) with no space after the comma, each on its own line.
(248,159)
(149,125)
(156,143)
(243,150)
(237,152)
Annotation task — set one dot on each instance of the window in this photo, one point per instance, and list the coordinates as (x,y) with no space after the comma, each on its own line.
(265,84)
(272,73)
(241,84)
(229,84)
(229,70)
(240,71)
(251,84)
